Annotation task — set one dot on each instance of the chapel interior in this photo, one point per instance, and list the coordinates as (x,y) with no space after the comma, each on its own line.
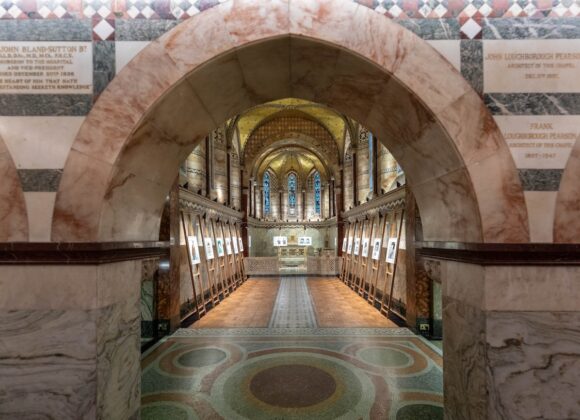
(289,209)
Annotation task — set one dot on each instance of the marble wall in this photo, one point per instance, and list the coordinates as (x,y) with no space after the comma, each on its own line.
(70,345)
(511,341)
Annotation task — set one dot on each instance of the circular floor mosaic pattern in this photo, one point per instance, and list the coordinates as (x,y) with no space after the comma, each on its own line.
(293,386)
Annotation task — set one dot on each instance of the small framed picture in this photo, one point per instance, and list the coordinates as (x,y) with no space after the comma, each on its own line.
(241,244)
(208,248)
(235,244)
(344,243)
(220,246)
(356,246)
(377,249)
(193,249)
(392,250)
(229,245)
(349,247)
(365,247)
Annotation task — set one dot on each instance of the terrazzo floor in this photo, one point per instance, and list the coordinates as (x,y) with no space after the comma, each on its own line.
(294,369)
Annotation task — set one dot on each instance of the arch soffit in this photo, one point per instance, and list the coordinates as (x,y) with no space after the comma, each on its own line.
(357,72)
(268,159)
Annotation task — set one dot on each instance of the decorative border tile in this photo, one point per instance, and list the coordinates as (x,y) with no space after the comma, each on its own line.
(533,103)
(45,105)
(540,179)
(472,63)
(40,180)
(45,30)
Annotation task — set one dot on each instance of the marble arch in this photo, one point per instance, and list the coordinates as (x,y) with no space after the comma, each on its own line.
(13,210)
(342,55)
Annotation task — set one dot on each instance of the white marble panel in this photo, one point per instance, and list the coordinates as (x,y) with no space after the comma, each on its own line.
(541,210)
(538,65)
(540,141)
(39,142)
(40,206)
(125,51)
(37,287)
(450,49)
(532,288)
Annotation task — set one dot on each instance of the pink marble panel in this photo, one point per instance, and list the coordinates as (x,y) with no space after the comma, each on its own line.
(255,20)
(501,198)
(127,98)
(356,85)
(132,208)
(369,40)
(80,198)
(449,208)
(308,81)
(193,43)
(183,128)
(326,20)
(13,216)
(221,87)
(141,156)
(567,220)
(266,69)
(472,128)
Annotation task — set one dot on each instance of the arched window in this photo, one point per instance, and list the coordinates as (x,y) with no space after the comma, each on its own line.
(266,182)
(292,181)
(317,198)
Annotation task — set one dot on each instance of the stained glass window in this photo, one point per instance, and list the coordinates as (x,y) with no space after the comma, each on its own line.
(317,198)
(266,182)
(292,190)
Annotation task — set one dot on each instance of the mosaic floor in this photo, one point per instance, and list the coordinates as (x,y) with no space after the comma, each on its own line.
(298,371)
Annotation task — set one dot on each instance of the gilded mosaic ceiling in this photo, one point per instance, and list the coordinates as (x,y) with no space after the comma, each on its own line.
(330,119)
(289,159)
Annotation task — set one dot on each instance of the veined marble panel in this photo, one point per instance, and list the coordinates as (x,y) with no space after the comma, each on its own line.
(118,360)
(541,210)
(540,142)
(464,374)
(125,51)
(39,142)
(534,365)
(533,103)
(526,28)
(450,49)
(48,364)
(39,206)
(531,66)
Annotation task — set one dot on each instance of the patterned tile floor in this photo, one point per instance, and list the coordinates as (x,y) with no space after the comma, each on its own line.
(292,372)
(293,307)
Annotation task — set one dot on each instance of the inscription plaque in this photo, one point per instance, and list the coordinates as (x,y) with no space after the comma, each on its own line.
(46,67)
(531,66)
(540,142)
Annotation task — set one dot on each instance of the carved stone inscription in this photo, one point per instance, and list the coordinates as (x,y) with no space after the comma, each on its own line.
(540,142)
(531,66)
(46,67)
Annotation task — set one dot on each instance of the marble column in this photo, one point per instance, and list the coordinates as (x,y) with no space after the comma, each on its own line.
(70,341)
(511,341)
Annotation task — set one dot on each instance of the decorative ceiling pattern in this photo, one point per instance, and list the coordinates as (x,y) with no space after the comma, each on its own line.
(332,121)
(293,159)
(288,126)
